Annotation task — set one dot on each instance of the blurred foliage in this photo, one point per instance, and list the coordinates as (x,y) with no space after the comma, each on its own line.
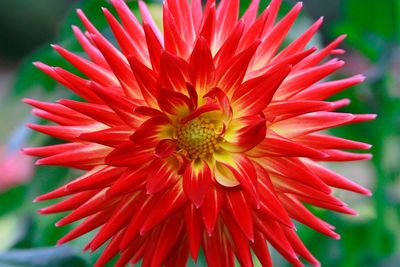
(372,239)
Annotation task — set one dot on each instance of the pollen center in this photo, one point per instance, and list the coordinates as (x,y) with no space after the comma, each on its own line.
(197,138)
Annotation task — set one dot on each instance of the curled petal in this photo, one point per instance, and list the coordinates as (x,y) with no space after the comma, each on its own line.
(244,133)
(174,103)
(237,167)
(216,95)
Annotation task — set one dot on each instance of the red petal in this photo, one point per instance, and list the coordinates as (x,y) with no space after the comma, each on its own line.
(301,41)
(275,37)
(89,155)
(129,46)
(210,209)
(244,133)
(100,113)
(174,103)
(165,148)
(324,90)
(129,154)
(174,72)
(293,108)
(194,229)
(228,49)
(337,155)
(196,181)
(121,216)
(92,51)
(202,69)
(148,19)
(162,173)
(227,17)
(311,122)
(173,40)
(151,131)
(334,179)
(113,137)
(300,213)
(295,169)
(305,78)
(321,141)
(131,24)
(299,247)
(217,250)
(122,106)
(254,95)
(241,212)
(231,74)
(209,24)
(241,167)
(86,226)
(146,80)
(276,146)
(166,240)
(154,46)
(238,241)
(119,65)
(91,70)
(171,201)
(260,248)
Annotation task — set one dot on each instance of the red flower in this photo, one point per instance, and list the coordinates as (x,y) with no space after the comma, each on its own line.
(203,136)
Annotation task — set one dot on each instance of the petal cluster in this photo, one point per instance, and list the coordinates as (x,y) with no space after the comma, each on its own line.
(205,135)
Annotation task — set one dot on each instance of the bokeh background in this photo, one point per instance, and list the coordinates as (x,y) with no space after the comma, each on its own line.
(372,238)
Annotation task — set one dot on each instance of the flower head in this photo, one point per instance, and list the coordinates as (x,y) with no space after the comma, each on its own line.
(206,135)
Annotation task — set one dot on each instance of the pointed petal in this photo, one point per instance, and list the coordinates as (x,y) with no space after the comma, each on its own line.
(310,123)
(161,175)
(196,181)
(230,75)
(210,209)
(171,201)
(241,212)
(194,228)
(202,69)
(129,154)
(254,95)
(277,146)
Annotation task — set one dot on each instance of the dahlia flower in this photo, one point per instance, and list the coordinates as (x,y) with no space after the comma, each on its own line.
(202,136)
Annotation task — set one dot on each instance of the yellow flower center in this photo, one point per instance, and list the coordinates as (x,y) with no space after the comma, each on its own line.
(197,138)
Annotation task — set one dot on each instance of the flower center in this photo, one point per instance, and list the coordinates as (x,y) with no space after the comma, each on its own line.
(197,138)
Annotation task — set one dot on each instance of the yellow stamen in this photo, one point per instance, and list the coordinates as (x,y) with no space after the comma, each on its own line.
(197,138)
